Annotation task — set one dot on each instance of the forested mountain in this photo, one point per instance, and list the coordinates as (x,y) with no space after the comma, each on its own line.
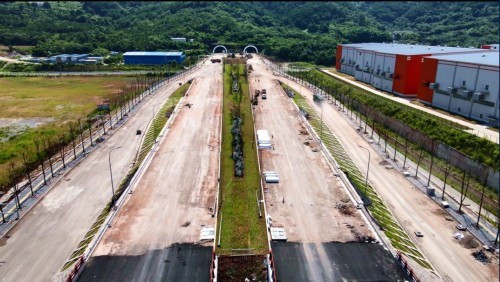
(296,31)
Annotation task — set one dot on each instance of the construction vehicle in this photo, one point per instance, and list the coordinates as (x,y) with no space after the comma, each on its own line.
(215,60)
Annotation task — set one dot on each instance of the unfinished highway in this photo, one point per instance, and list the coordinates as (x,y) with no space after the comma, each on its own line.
(38,246)
(319,217)
(155,235)
(413,209)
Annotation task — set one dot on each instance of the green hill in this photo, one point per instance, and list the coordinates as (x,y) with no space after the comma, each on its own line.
(295,31)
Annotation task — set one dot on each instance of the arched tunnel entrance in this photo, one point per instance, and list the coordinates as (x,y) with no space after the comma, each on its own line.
(250,46)
(220,46)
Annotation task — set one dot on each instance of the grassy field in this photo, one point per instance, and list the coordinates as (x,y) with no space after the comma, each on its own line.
(50,101)
(61,98)
(241,226)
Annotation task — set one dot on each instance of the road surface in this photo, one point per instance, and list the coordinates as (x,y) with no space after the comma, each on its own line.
(304,202)
(157,230)
(37,247)
(414,210)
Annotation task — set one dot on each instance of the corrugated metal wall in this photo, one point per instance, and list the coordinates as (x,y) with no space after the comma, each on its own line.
(151,60)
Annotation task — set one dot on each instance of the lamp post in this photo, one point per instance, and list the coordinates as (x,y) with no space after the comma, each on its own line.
(321,123)
(111,174)
(368,169)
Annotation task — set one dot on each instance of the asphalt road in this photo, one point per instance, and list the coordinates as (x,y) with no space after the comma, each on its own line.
(349,262)
(177,262)
(37,247)
(171,202)
(414,210)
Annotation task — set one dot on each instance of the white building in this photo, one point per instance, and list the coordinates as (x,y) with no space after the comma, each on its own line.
(394,68)
(464,84)
(179,39)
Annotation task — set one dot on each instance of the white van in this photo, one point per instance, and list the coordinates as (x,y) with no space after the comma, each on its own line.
(445,204)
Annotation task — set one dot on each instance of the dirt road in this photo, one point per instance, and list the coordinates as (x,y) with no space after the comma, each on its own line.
(172,200)
(304,202)
(37,247)
(413,209)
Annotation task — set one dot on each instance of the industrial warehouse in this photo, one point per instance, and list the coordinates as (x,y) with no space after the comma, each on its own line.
(153,58)
(464,84)
(463,81)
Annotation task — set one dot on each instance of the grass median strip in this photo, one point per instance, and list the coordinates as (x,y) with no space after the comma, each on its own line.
(397,236)
(153,131)
(241,226)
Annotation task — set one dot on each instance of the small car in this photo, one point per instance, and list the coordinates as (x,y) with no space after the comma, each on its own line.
(138,132)
(419,234)
(461,227)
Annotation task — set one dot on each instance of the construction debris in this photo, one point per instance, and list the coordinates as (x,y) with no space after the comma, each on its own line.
(480,256)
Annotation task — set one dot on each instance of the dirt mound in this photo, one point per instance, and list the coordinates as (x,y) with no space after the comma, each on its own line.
(384,162)
(346,209)
(469,242)
(239,268)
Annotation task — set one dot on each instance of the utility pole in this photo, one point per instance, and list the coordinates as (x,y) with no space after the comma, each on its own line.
(367,170)
(111,175)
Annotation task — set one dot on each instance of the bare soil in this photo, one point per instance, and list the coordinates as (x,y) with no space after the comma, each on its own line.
(239,268)
(413,209)
(306,199)
(174,197)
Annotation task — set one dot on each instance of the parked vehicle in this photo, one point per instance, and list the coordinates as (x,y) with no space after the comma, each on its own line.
(461,227)
(419,234)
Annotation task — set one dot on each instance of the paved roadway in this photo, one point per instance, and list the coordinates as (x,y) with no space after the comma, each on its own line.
(414,210)
(155,234)
(477,129)
(350,262)
(37,247)
(304,201)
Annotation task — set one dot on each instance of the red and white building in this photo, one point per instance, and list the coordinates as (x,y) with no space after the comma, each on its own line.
(464,84)
(399,69)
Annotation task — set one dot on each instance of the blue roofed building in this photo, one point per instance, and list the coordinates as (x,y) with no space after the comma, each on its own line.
(153,58)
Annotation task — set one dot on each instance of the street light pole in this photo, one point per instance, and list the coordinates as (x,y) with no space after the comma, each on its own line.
(368,169)
(111,174)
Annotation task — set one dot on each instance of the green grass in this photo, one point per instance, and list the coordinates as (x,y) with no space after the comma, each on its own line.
(397,236)
(61,98)
(241,226)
